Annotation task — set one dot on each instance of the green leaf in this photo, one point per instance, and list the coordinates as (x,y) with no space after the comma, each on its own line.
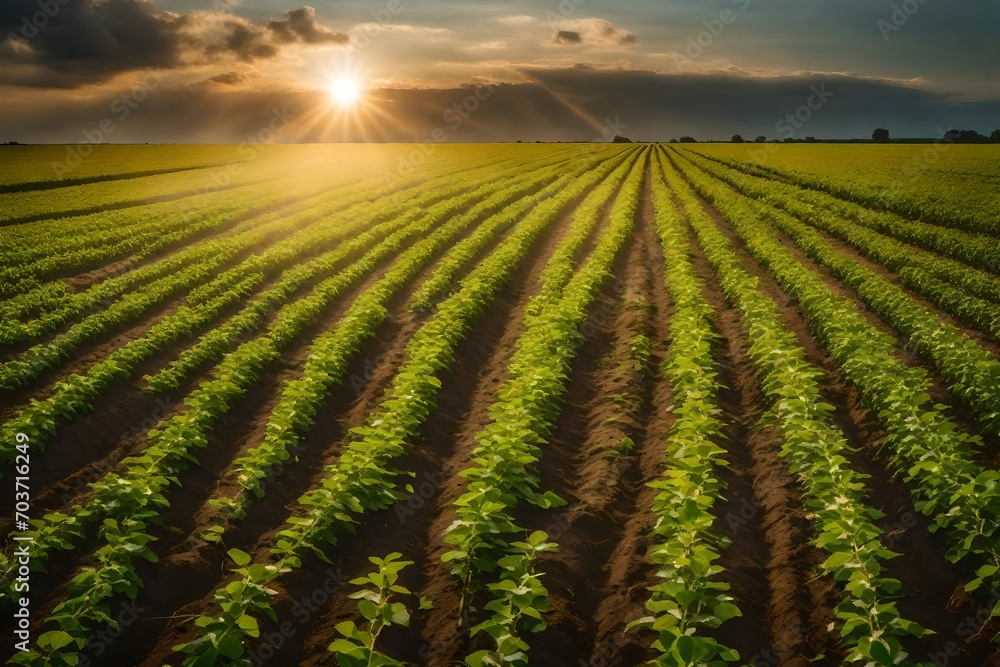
(54,640)
(249,625)
(231,647)
(241,558)
(880,652)
(684,648)
(368,609)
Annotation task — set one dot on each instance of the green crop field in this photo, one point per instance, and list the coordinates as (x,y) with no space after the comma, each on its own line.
(600,404)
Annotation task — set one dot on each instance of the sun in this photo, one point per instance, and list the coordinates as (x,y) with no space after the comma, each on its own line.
(345,91)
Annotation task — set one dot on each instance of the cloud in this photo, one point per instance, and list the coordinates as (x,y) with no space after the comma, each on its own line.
(226,79)
(567,37)
(519,19)
(300,25)
(91,41)
(205,37)
(591,31)
(371,28)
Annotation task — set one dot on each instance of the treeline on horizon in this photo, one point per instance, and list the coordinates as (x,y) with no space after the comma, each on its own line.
(879,136)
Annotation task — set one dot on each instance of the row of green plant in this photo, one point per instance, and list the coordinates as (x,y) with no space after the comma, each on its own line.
(972,373)
(983,314)
(960,290)
(975,249)
(301,233)
(34,171)
(858,225)
(381,604)
(500,474)
(445,274)
(27,283)
(586,218)
(833,494)
(690,599)
(46,204)
(95,240)
(179,434)
(75,394)
(230,380)
(950,285)
(925,448)
(363,480)
(330,354)
(59,200)
(216,342)
(138,232)
(130,502)
(902,201)
(111,226)
(44,309)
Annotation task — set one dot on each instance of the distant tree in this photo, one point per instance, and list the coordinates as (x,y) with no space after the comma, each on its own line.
(672,141)
(995,137)
(688,140)
(880,136)
(965,137)
(760,139)
(810,140)
(972,137)
(737,139)
(619,139)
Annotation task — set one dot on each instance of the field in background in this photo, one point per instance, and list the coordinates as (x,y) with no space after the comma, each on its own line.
(942,180)
(701,404)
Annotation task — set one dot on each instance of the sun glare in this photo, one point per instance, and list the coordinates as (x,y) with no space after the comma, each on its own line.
(345,91)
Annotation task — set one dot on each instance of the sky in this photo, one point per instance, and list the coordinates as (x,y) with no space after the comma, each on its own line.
(445,70)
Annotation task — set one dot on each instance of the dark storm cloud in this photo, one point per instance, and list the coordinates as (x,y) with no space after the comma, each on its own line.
(89,40)
(718,105)
(576,104)
(235,38)
(300,25)
(591,31)
(67,43)
(566,37)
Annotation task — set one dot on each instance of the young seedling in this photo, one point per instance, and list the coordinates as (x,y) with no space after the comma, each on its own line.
(640,348)
(621,450)
(223,638)
(378,604)
(519,602)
